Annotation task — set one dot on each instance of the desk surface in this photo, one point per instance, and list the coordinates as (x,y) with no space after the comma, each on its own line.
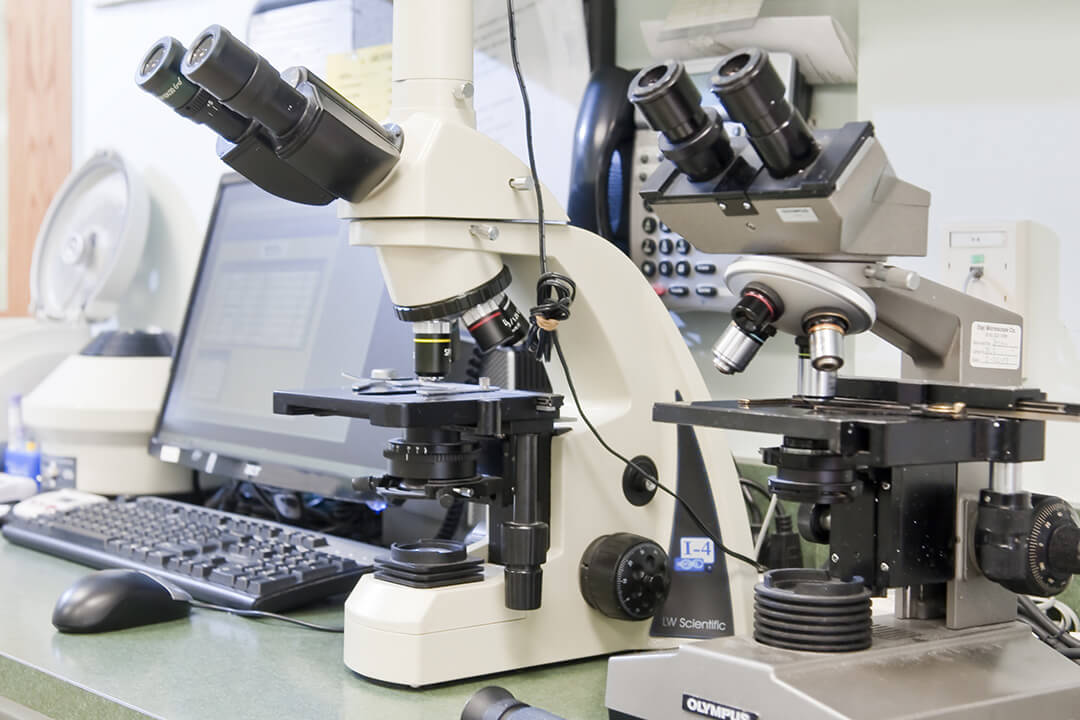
(214,665)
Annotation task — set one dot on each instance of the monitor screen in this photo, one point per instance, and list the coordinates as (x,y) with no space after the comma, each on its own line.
(280,301)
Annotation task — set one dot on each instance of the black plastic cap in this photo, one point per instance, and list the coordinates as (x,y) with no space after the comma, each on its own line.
(524,587)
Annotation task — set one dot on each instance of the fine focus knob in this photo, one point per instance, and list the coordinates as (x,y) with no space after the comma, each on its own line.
(624,576)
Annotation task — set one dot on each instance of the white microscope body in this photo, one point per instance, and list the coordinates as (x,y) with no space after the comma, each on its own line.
(453,217)
(455,209)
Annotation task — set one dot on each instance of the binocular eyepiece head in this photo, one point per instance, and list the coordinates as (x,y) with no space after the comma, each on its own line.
(693,137)
(289,133)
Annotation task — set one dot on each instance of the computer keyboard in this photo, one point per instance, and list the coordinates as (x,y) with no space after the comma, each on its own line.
(218,557)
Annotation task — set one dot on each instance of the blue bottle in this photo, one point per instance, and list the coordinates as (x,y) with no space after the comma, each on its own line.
(21,457)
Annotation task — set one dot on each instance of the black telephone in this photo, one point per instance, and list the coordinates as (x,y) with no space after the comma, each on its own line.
(614,154)
(603,157)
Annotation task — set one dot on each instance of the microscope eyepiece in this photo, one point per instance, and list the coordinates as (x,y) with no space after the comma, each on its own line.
(692,137)
(667,98)
(243,80)
(159,74)
(753,95)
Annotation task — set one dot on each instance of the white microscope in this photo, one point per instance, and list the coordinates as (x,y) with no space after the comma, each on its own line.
(572,567)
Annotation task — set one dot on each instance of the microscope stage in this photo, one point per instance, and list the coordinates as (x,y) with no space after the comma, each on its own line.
(411,406)
(875,432)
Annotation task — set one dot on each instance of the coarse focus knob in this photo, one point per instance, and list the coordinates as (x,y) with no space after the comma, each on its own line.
(624,576)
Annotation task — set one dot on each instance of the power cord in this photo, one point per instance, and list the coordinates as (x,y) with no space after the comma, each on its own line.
(555,293)
(1046,629)
(269,615)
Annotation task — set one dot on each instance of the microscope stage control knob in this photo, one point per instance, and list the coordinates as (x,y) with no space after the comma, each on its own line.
(624,576)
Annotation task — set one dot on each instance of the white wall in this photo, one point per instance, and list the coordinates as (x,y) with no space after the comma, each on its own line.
(977,101)
(175,157)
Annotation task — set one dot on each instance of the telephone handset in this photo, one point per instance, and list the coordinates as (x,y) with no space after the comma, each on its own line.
(615,152)
(603,153)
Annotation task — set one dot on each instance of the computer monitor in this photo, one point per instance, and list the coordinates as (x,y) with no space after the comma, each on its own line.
(280,301)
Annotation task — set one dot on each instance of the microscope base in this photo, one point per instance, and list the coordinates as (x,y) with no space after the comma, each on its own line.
(404,636)
(915,669)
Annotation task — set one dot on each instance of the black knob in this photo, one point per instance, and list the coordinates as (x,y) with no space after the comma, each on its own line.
(648,269)
(1064,551)
(682,268)
(648,246)
(665,268)
(665,246)
(624,576)
(683,246)
(649,224)
(1029,545)
(679,290)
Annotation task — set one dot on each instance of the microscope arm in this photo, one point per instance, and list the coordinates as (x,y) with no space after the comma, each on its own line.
(931,324)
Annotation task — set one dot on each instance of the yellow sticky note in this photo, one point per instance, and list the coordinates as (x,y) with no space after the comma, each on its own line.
(363,76)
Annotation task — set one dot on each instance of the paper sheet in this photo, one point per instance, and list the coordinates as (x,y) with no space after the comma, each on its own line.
(825,54)
(363,77)
(304,34)
(725,14)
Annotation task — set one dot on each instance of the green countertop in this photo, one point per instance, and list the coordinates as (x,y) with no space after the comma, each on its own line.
(214,665)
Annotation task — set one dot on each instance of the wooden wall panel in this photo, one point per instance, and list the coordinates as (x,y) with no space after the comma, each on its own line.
(39,127)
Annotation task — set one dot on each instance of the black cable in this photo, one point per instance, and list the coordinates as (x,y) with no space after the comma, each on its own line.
(1048,631)
(218,498)
(648,476)
(554,295)
(196,487)
(268,503)
(1030,609)
(555,292)
(270,615)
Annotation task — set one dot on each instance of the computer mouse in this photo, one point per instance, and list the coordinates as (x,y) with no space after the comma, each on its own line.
(117,599)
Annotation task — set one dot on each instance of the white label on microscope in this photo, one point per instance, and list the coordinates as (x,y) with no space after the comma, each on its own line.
(797,214)
(995,346)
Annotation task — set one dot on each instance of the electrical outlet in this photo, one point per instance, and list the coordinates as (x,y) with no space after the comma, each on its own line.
(988,260)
